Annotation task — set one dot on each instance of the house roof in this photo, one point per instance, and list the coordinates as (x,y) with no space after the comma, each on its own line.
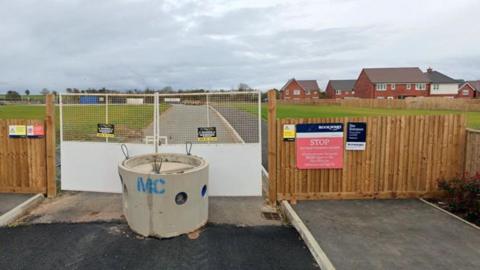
(437,77)
(396,75)
(475,85)
(307,85)
(346,85)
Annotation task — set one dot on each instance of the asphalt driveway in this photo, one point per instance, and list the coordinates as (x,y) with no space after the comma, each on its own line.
(114,246)
(390,234)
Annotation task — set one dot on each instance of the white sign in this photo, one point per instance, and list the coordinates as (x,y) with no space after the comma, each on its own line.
(172,100)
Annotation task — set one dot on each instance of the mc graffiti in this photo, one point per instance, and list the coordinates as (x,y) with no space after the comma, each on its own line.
(151,186)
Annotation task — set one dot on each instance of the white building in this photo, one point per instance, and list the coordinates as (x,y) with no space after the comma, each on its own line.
(441,84)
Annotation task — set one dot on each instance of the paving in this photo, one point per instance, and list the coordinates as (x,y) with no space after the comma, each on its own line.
(179,124)
(114,246)
(8,201)
(390,234)
(77,207)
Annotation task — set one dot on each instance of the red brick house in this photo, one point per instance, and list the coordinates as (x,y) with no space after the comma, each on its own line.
(470,89)
(391,83)
(300,90)
(340,88)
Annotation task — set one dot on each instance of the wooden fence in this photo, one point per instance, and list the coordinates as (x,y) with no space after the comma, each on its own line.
(472,157)
(27,165)
(426,103)
(405,157)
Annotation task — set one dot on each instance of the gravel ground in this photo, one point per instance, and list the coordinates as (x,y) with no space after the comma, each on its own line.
(114,246)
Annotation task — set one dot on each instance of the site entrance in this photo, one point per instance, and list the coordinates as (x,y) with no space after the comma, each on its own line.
(222,127)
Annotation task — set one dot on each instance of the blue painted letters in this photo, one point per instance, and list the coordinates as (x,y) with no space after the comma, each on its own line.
(150,186)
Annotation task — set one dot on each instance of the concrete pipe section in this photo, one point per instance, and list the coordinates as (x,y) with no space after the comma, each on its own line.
(164,195)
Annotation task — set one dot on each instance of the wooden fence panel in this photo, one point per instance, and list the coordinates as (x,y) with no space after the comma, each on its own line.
(405,157)
(22,160)
(472,157)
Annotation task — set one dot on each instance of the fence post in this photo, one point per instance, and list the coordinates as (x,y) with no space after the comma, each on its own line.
(50,146)
(272,147)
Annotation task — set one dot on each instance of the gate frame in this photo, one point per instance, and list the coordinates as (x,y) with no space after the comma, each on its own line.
(156,117)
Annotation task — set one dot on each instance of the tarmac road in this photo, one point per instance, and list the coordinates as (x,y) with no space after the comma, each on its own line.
(179,124)
(246,125)
(114,246)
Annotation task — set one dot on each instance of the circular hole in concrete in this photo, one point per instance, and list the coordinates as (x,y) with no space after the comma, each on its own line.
(181,198)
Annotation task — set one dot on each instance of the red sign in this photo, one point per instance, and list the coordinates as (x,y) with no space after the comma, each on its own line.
(35,130)
(319,146)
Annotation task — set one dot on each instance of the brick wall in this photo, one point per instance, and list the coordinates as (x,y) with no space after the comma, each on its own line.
(363,87)
(467,87)
(332,93)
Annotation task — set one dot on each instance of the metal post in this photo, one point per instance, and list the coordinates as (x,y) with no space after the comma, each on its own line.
(156,132)
(60,101)
(106,113)
(208,109)
(260,129)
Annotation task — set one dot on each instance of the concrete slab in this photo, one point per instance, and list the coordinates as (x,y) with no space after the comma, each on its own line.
(8,201)
(240,211)
(114,246)
(74,207)
(390,234)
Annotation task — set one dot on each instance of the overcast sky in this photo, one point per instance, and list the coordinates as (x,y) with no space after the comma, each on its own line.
(126,44)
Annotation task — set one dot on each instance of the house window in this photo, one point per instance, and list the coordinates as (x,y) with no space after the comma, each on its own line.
(392,86)
(436,86)
(389,97)
(381,86)
(296,92)
(465,92)
(420,86)
(409,86)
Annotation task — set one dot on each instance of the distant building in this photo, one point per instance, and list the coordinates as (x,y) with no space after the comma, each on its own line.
(340,88)
(300,90)
(469,89)
(391,83)
(441,85)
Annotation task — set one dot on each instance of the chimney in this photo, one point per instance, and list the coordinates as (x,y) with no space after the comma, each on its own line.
(429,70)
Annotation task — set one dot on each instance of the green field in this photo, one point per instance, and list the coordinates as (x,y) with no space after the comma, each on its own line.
(310,111)
(82,120)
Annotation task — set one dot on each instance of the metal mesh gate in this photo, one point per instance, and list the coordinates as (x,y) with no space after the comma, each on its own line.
(167,118)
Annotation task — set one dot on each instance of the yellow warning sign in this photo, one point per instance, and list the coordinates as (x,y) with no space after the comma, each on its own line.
(17,130)
(289,132)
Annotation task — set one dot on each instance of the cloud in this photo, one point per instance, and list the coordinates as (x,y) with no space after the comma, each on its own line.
(217,44)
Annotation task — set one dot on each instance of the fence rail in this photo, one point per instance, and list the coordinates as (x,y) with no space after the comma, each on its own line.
(428,103)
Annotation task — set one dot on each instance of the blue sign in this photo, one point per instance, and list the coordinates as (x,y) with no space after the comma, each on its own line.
(313,128)
(151,186)
(356,136)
